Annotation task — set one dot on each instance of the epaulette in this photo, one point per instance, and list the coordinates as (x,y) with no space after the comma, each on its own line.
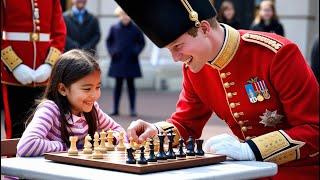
(265,41)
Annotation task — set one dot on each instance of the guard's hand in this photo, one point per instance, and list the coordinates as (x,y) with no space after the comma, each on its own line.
(23,74)
(230,146)
(42,73)
(140,130)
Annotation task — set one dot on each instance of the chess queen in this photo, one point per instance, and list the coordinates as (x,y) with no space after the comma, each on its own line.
(69,107)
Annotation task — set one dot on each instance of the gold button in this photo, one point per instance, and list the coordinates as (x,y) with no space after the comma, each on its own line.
(244,128)
(236,115)
(38,28)
(37,21)
(223,75)
(226,85)
(35,4)
(229,95)
(240,123)
(232,105)
(248,138)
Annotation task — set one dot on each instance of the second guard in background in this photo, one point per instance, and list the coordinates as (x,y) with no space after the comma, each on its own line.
(33,37)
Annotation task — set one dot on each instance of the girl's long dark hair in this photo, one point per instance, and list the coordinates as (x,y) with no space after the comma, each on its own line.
(70,67)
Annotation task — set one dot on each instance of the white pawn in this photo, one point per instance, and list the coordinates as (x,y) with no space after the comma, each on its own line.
(102,146)
(121,146)
(73,151)
(96,141)
(87,145)
(110,146)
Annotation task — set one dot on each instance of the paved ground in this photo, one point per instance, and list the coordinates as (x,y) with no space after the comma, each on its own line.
(152,106)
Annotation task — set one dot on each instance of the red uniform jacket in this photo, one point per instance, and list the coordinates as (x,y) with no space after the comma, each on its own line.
(33,17)
(261,86)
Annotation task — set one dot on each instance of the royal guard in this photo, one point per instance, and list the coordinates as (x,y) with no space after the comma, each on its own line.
(258,83)
(33,37)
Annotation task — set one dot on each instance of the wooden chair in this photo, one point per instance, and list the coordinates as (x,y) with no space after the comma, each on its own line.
(9,147)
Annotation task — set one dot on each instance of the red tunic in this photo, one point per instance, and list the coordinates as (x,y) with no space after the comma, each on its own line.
(19,17)
(277,66)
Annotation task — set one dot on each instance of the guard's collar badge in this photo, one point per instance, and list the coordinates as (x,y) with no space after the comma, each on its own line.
(271,118)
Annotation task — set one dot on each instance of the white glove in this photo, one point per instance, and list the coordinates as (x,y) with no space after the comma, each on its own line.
(23,74)
(230,146)
(42,73)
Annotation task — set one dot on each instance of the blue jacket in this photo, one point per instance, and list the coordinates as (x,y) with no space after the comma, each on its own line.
(124,44)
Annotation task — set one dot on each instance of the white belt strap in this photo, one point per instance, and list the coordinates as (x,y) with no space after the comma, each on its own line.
(25,36)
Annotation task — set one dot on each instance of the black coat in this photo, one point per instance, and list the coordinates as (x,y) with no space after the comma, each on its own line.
(82,36)
(274,27)
(124,44)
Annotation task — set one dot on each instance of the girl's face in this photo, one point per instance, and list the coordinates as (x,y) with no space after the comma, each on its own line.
(266,12)
(83,93)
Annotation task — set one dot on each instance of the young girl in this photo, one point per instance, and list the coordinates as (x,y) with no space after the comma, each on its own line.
(69,107)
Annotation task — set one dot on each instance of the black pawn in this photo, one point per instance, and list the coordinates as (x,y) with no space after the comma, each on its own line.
(142,159)
(190,147)
(181,154)
(199,151)
(170,153)
(161,154)
(152,156)
(130,156)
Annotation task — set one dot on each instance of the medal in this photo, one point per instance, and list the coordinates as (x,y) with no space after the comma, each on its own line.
(257,90)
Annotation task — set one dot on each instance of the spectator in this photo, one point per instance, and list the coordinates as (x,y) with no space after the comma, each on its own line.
(83,31)
(124,43)
(315,58)
(266,19)
(227,14)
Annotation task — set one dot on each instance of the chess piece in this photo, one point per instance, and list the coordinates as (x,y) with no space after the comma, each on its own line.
(181,154)
(142,159)
(87,145)
(96,141)
(130,156)
(102,146)
(73,151)
(121,146)
(147,146)
(161,156)
(131,143)
(152,156)
(97,154)
(110,146)
(170,153)
(190,148)
(199,151)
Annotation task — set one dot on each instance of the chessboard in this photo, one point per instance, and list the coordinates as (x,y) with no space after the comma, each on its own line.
(116,160)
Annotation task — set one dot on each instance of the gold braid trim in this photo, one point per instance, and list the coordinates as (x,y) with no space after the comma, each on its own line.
(278,147)
(53,56)
(265,41)
(10,58)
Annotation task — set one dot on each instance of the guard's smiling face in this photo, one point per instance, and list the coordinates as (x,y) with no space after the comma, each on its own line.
(193,51)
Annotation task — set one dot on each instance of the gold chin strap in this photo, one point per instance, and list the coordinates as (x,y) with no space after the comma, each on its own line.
(193,15)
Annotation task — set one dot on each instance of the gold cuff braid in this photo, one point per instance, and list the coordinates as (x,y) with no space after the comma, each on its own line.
(53,56)
(10,58)
(164,126)
(278,147)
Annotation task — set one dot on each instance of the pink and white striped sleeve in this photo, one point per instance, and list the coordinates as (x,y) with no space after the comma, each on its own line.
(37,138)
